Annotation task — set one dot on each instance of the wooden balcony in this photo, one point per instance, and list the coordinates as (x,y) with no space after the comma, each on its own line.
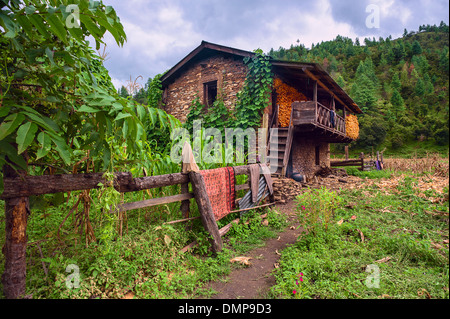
(314,118)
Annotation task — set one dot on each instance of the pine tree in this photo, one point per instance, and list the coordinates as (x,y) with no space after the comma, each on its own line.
(395,83)
(444,59)
(398,104)
(429,87)
(123,92)
(420,87)
(416,48)
(340,81)
(363,92)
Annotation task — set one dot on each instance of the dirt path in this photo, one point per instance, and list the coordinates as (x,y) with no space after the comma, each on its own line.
(254,281)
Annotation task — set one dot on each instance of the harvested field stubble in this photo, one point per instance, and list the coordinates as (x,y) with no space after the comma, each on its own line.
(433,164)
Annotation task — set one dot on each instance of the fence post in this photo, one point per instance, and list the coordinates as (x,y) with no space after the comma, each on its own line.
(16,214)
(205,209)
(361,156)
(185,203)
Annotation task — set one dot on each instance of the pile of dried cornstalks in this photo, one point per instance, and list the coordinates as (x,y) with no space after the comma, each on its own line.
(432,163)
(352,126)
(285,96)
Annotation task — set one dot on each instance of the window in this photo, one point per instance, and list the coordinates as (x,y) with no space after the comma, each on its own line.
(209,93)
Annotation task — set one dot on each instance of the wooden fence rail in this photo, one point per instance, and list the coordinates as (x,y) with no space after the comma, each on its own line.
(18,189)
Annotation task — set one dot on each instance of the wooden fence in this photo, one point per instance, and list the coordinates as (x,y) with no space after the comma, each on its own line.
(18,189)
(362,165)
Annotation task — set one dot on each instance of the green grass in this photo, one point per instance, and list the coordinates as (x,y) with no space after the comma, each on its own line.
(397,225)
(373,174)
(145,260)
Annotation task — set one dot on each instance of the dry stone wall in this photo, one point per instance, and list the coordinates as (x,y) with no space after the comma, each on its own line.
(229,73)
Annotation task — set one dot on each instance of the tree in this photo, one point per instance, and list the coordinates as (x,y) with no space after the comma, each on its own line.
(398,104)
(399,50)
(340,81)
(420,87)
(372,131)
(123,92)
(363,92)
(395,83)
(428,85)
(416,48)
(444,59)
(56,96)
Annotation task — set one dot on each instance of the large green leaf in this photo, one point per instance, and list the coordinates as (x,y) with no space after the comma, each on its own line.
(122,115)
(57,27)
(46,145)
(87,109)
(38,23)
(11,152)
(10,124)
(25,135)
(62,149)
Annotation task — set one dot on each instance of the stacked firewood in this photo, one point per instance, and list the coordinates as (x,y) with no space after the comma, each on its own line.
(285,189)
(286,94)
(352,126)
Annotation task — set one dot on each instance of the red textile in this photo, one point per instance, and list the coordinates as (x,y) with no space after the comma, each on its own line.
(219,185)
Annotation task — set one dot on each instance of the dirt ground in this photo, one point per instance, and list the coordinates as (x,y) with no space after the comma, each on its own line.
(253,282)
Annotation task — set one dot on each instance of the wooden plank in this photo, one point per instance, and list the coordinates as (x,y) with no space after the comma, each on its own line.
(155,201)
(49,184)
(356,162)
(182,220)
(313,77)
(205,209)
(14,249)
(225,229)
(254,207)
(242,187)
(185,204)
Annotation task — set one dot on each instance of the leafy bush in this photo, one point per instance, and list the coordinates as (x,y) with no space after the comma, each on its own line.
(315,208)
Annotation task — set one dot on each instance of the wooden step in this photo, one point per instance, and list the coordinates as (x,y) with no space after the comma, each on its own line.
(280,147)
(280,133)
(280,156)
(280,139)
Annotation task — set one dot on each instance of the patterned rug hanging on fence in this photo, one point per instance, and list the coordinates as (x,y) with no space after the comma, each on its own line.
(219,185)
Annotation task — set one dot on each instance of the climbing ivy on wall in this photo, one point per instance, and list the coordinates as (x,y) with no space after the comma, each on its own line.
(251,100)
(255,95)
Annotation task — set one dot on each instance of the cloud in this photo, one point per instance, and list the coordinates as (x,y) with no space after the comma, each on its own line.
(161,32)
(154,33)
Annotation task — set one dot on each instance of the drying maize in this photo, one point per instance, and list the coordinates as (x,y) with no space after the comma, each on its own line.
(352,126)
(286,94)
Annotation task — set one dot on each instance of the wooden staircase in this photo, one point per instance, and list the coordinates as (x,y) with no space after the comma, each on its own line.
(279,145)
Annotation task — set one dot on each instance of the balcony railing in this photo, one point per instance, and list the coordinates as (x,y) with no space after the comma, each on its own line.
(315,113)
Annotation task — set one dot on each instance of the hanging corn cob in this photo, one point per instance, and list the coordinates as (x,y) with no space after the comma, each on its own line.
(285,96)
(352,126)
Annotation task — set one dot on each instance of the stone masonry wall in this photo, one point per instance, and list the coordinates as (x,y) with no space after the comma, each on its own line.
(228,72)
(304,155)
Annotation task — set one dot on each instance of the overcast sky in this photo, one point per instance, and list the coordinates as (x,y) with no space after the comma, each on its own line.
(160,33)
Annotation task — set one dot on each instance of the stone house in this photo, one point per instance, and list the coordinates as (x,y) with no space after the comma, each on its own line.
(315,120)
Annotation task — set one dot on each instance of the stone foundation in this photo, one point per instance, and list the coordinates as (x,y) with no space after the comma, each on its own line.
(304,155)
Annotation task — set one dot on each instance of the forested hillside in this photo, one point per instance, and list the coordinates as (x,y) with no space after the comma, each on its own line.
(400,84)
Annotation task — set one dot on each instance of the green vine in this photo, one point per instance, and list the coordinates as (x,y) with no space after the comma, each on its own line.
(251,100)
(255,95)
